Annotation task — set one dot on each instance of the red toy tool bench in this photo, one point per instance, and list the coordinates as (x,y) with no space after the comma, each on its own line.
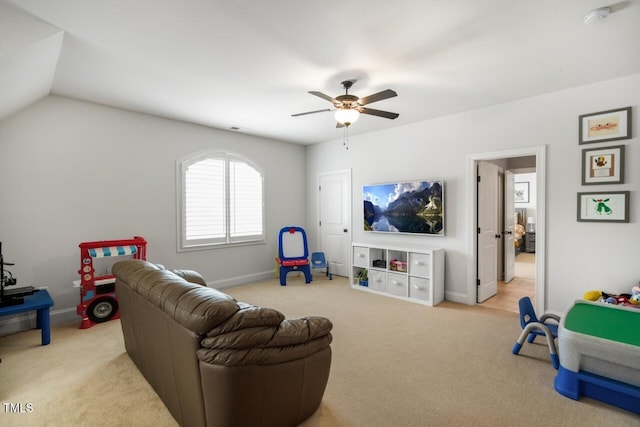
(98,299)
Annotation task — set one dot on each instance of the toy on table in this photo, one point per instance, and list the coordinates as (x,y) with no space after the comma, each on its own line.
(624,299)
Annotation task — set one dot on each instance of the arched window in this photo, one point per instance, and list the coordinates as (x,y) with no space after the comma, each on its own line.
(220,201)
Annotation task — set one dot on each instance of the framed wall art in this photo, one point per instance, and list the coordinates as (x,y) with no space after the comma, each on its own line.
(611,125)
(415,207)
(521,194)
(604,206)
(603,165)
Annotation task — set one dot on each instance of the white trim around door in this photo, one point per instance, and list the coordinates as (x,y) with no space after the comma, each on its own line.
(472,237)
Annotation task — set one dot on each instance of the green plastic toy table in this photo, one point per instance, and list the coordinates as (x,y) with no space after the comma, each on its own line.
(599,347)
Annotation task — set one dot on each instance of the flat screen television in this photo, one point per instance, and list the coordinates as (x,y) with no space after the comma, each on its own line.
(415,207)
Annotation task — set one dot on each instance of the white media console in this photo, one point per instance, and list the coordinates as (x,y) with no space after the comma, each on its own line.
(415,274)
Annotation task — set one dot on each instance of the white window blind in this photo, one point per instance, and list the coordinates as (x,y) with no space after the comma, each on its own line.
(245,200)
(204,200)
(221,201)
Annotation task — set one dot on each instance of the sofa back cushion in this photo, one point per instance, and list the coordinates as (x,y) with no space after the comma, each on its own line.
(192,305)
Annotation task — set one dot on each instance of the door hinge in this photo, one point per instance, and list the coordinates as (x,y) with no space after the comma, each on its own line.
(478,178)
(478,230)
(319,187)
(320,223)
(477,282)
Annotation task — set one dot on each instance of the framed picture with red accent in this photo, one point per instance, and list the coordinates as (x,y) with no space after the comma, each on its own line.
(611,125)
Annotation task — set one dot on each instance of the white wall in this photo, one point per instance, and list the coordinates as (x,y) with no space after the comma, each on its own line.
(73,171)
(438,149)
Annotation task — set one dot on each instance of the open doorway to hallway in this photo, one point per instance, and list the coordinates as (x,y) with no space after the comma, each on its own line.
(517,269)
(523,284)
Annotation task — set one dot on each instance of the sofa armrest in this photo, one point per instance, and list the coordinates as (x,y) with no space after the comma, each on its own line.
(190,276)
(287,333)
(262,345)
(299,331)
(262,356)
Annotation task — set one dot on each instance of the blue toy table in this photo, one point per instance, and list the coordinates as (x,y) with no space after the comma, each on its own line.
(40,301)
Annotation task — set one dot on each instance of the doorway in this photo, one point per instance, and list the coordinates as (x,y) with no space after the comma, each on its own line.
(516,216)
(334,219)
(509,160)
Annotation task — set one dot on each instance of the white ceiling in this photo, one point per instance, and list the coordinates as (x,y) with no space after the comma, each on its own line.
(250,63)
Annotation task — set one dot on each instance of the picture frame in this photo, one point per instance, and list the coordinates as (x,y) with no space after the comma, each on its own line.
(603,206)
(521,192)
(603,165)
(610,125)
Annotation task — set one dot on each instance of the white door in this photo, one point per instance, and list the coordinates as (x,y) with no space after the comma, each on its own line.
(488,232)
(334,205)
(509,228)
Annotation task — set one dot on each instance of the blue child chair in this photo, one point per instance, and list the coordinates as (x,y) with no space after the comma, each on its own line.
(319,262)
(533,327)
(293,253)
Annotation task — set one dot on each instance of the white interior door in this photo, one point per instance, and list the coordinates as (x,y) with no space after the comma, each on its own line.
(334,204)
(509,228)
(488,232)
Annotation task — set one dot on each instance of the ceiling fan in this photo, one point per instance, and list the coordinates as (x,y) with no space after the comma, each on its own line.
(349,107)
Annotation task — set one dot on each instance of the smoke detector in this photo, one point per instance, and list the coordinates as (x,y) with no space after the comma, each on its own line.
(596,15)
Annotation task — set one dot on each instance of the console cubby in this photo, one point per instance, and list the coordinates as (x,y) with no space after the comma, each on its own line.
(415,274)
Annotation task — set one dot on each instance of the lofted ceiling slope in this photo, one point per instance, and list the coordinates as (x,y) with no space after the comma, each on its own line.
(249,64)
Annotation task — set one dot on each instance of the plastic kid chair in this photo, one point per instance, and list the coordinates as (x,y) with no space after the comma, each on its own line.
(319,262)
(533,327)
(293,253)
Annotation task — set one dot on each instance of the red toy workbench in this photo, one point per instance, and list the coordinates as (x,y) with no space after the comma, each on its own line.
(98,299)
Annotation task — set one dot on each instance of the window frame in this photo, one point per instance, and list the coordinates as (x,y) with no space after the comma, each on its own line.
(183,245)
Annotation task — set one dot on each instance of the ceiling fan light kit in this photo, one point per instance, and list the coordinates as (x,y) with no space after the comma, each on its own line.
(347,116)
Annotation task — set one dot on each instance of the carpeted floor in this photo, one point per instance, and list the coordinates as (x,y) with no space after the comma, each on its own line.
(395,363)
(525,265)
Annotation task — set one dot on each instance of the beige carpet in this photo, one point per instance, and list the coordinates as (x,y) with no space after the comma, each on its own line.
(525,265)
(395,363)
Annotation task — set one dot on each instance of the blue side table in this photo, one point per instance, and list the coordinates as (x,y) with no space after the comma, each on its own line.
(40,301)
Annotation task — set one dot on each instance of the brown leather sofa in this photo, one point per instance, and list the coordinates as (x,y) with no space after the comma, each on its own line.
(215,361)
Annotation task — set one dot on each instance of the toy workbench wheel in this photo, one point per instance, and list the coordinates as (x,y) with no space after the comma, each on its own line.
(102,309)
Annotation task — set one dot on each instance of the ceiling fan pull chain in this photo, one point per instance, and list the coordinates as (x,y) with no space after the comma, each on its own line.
(345,141)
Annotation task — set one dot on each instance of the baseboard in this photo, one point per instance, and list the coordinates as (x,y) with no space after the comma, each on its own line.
(26,321)
(456,297)
(242,280)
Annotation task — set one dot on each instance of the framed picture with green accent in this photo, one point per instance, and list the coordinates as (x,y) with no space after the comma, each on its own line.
(603,165)
(605,206)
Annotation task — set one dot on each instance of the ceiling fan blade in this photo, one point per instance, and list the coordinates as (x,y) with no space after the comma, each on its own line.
(379,113)
(377,97)
(310,112)
(323,96)
(339,125)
